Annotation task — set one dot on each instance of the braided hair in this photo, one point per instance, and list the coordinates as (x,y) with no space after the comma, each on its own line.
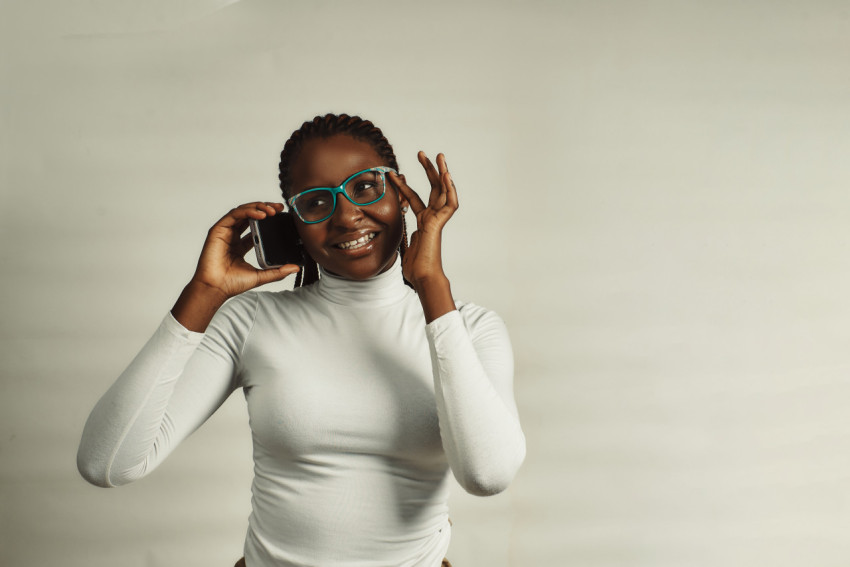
(322,127)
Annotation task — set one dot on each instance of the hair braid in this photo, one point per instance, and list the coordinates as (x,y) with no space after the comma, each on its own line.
(402,249)
(325,127)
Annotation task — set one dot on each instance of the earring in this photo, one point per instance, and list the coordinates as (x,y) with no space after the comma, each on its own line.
(404,209)
(403,244)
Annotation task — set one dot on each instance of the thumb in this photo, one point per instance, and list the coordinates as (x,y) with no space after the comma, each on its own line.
(275,274)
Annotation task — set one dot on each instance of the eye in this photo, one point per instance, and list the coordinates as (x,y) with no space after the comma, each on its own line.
(362,186)
(316,202)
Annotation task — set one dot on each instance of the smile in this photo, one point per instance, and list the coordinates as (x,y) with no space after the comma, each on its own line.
(351,244)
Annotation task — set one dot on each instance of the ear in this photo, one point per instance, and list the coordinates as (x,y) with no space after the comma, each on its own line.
(402,200)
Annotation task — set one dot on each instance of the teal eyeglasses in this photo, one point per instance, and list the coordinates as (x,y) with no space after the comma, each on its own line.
(363,188)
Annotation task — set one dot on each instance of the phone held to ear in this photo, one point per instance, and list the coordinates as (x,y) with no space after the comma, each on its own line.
(276,241)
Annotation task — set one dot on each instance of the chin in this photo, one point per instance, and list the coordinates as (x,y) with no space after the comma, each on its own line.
(367,269)
(360,263)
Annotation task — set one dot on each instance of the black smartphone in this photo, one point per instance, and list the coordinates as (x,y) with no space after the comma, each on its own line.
(276,241)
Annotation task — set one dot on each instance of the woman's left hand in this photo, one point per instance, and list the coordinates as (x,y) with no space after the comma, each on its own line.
(423,262)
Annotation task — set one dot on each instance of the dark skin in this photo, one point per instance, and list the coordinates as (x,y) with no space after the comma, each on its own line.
(222,271)
(326,163)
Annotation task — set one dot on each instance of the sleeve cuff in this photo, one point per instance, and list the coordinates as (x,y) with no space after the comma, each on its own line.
(444,323)
(174,327)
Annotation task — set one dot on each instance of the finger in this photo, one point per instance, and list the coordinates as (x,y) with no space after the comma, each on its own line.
(402,187)
(448,193)
(237,229)
(227,230)
(257,210)
(433,179)
(263,209)
(275,207)
(414,240)
(437,197)
(275,274)
(442,167)
(244,245)
(430,170)
(451,191)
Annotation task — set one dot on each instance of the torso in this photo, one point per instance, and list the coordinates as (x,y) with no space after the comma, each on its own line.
(347,445)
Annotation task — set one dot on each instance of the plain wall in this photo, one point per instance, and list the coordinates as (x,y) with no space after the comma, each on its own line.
(654,195)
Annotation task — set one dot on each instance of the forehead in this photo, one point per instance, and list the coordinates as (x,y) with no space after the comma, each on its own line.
(327,162)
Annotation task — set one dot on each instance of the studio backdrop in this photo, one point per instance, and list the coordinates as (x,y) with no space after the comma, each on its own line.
(653,195)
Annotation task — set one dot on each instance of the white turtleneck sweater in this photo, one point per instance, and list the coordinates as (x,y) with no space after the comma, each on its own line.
(358,410)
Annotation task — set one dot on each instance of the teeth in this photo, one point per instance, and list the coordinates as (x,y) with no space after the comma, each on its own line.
(356,243)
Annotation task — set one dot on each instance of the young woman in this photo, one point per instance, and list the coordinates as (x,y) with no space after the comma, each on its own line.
(362,392)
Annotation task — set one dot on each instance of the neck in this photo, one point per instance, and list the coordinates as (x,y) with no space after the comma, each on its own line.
(386,288)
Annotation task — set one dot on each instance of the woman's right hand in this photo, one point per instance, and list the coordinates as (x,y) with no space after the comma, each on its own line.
(222,266)
(222,271)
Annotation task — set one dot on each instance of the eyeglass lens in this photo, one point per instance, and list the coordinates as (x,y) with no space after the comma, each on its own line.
(362,189)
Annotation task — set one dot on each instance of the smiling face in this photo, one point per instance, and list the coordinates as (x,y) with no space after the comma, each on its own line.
(327,162)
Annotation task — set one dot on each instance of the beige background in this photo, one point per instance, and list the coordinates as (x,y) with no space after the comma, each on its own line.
(654,195)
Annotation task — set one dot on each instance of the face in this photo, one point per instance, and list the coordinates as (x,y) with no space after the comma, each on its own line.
(327,163)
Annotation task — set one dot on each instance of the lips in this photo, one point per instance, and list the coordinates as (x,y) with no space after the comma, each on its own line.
(357,242)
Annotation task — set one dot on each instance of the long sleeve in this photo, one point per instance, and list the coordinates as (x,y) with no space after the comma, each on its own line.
(472,363)
(175,383)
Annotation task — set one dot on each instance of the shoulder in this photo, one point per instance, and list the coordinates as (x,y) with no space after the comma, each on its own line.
(239,313)
(250,302)
(262,309)
(286,303)
(239,307)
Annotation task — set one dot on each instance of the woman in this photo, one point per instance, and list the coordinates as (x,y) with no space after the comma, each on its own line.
(362,392)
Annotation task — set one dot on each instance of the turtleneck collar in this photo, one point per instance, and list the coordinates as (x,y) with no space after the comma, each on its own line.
(384,289)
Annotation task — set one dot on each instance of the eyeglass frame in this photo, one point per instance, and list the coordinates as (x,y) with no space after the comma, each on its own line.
(340,189)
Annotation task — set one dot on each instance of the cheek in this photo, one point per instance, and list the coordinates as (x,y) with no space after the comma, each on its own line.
(388,208)
(394,222)
(390,215)
(311,236)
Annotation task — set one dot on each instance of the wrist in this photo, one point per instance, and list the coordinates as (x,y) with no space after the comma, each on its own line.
(434,281)
(197,304)
(205,292)
(435,294)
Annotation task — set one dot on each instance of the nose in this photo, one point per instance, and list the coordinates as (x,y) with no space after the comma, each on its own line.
(347,214)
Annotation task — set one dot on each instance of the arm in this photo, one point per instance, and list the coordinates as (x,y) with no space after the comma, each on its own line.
(472,363)
(171,387)
(423,262)
(178,380)
(471,355)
